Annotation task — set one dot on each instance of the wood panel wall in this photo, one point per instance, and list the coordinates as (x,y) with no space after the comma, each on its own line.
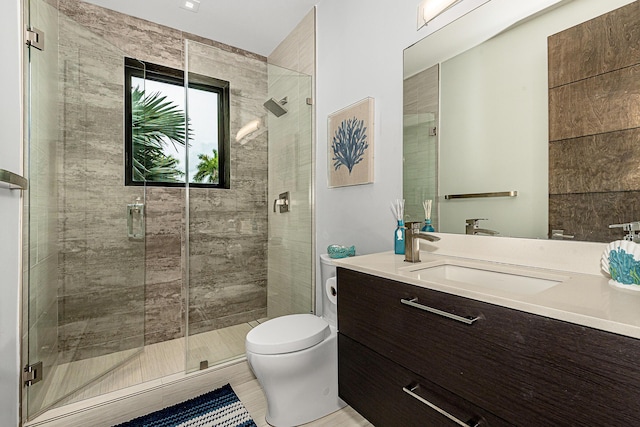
(594,125)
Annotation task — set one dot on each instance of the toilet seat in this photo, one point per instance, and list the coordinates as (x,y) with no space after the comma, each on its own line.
(287,334)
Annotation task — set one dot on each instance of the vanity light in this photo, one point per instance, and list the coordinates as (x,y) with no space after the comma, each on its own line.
(190,5)
(429,9)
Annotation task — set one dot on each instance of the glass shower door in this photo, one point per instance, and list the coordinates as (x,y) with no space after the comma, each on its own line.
(231,283)
(84,258)
(225,227)
(40,240)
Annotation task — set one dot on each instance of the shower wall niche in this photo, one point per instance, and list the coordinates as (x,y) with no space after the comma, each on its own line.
(98,302)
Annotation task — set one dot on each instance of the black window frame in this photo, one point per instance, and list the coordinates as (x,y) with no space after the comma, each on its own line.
(149,71)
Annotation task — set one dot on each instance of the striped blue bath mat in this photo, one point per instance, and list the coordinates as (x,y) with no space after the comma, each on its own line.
(218,408)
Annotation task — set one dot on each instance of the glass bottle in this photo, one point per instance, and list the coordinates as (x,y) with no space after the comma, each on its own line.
(427,226)
(399,238)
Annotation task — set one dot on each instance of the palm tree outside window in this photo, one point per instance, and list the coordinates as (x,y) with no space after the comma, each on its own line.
(157,129)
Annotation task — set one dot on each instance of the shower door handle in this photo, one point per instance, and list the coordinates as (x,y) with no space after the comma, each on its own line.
(135,220)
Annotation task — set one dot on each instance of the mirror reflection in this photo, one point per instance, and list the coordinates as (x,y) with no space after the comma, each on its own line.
(536,119)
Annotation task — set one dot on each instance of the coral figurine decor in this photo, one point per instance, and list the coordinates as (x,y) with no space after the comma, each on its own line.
(621,260)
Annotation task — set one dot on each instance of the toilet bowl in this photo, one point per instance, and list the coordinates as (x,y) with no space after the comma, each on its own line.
(295,359)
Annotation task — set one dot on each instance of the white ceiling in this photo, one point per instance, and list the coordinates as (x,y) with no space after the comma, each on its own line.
(254,25)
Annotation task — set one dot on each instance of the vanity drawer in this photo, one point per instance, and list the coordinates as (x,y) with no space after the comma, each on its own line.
(524,368)
(379,390)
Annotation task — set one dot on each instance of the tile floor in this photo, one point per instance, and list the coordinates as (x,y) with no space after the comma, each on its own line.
(154,361)
(252,397)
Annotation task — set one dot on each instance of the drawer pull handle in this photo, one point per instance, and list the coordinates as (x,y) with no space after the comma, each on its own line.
(410,391)
(413,303)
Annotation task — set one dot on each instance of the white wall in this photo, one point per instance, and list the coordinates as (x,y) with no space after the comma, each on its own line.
(359,48)
(10,159)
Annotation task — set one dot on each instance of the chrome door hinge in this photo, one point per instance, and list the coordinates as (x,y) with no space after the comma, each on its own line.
(32,374)
(35,38)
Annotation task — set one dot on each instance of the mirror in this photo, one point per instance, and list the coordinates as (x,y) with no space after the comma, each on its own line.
(476,122)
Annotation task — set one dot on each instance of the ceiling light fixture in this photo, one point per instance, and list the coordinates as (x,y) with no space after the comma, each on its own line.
(430,9)
(190,5)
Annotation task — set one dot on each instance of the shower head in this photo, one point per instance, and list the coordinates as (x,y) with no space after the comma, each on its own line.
(276,107)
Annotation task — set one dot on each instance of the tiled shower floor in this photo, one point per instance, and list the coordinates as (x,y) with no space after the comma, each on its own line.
(153,362)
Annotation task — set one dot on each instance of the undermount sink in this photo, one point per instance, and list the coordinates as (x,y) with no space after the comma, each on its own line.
(501,278)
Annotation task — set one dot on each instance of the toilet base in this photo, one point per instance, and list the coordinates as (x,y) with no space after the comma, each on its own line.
(302,386)
(287,422)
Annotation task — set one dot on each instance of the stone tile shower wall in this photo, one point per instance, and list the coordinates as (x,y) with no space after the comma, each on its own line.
(101,272)
(228,228)
(594,126)
(101,296)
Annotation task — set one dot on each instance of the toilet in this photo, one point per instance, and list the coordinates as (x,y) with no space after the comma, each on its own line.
(295,359)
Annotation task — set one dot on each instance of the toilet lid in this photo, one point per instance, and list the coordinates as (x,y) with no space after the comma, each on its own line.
(286,334)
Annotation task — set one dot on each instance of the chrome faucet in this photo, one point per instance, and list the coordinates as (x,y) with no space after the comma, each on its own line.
(412,243)
(472,226)
(632,229)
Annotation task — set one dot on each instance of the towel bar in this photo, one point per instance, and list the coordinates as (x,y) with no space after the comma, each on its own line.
(12,181)
(472,195)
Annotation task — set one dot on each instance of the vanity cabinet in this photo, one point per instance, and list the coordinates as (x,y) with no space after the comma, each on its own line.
(485,364)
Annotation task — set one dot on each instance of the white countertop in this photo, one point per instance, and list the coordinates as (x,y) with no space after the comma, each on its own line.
(583,299)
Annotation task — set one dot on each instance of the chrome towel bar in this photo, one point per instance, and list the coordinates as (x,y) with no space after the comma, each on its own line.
(12,181)
(473,195)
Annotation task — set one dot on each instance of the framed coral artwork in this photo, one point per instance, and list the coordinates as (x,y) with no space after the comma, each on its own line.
(350,157)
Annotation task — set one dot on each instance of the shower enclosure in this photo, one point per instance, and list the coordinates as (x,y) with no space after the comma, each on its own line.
(117,274)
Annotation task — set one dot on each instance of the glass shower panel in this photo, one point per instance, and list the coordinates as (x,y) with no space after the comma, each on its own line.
(85,269)
(290,244)
(41,213)
(228,230)
(226,227)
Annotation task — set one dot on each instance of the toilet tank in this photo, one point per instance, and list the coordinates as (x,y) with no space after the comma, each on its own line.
(328,271)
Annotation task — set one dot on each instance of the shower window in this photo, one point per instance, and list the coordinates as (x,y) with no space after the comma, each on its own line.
(160,120)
